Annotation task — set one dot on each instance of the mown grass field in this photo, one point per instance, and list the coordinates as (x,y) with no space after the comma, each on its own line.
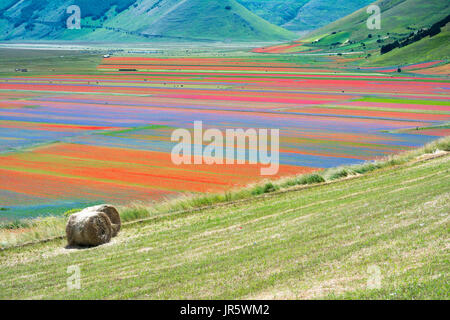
(320,242)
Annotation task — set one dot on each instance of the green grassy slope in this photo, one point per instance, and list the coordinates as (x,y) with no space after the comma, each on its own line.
(318,13)
(277,12)
(137,20)
(301,15)
(317,242)
(397,17)
(199,19)
(435,48)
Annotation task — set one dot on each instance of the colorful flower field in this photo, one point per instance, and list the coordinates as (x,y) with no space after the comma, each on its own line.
(294,47)
(419,67)
(70,140)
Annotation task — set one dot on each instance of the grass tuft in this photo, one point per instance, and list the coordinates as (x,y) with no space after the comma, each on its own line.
(16,224)
(68,213)
(341,173)
(311,179)
(133,212)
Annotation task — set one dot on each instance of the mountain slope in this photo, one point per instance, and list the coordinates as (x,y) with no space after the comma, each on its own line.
(303,15)
(398,18)
(318,13)
(427,49)
(219,20)
(277,12)
(137,20)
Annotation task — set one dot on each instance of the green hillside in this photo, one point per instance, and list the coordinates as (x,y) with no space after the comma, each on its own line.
(137,20)
(318,13)
(398,18)
(277,12)
(303,15)
(325,241)
(199,19)
(427,49)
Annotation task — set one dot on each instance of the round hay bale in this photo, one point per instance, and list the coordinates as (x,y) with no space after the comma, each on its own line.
(112,214)
(88,228)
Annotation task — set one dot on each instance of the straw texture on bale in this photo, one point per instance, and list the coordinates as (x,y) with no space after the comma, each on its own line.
(88,228)
(113,216)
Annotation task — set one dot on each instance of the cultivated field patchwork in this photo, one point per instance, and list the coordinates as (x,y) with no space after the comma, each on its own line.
(73,140)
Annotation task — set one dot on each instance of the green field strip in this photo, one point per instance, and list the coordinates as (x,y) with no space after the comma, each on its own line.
(344,107)
(404,101)
(149,127)
(436,127)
